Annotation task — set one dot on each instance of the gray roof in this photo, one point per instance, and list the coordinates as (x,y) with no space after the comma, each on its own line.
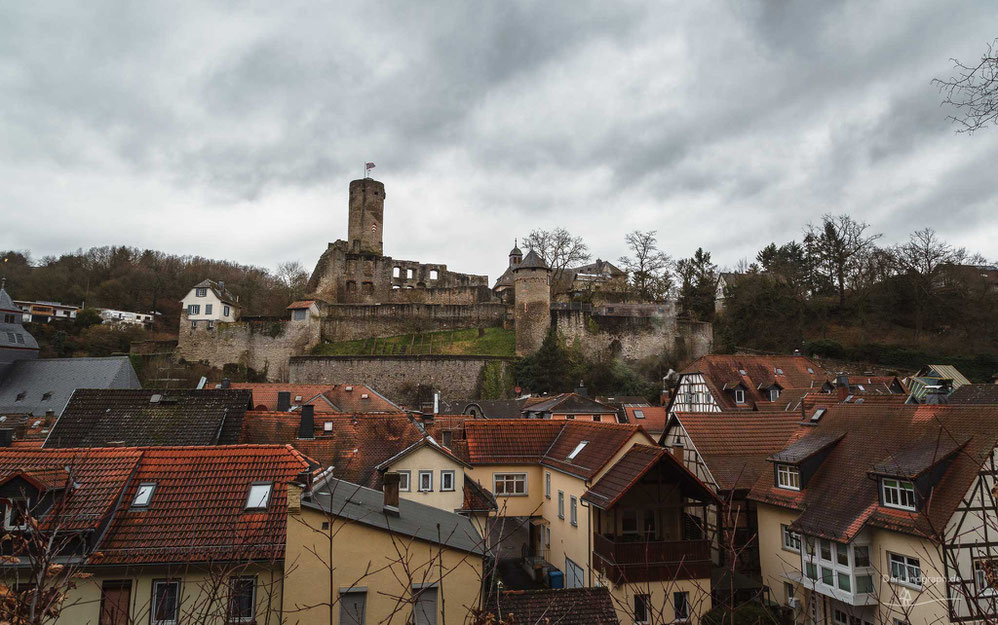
(221,293)
(16,343)
(48,383)
(975,394)
(365,505)
(532,261)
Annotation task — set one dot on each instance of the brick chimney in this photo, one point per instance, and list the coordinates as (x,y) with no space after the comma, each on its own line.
(283,401)
(391,488)
(307,427)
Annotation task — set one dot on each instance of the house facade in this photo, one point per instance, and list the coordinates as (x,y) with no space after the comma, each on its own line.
(208,302)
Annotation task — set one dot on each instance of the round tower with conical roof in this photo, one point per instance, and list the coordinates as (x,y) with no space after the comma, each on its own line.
(532,302)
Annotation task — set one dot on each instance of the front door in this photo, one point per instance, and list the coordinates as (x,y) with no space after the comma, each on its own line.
(574,575)
(115,598)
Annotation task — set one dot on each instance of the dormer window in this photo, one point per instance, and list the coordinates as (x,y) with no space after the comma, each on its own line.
(143,494)
(788,476)
(577,450)
(739,396)
(14,517)
(774,393)
(201,292)
(898,494)
(259,496)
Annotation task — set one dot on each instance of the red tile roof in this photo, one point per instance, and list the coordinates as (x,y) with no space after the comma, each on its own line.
(789,372)
(197,512)
(735,445)
(300,304)
(354,447)
(326,398)
(841,498)
(653,418)
(632,466)
(603,441)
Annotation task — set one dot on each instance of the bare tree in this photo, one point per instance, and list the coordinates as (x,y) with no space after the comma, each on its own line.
(842,246)
(973,91)
(650,268)
(559,249)
(293,277)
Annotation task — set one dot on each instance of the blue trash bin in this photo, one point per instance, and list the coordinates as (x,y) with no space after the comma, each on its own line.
(556,579)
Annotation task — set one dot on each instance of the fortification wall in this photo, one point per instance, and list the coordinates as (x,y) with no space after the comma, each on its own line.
(264,345)
(344,322)
(632,337)
(396,377)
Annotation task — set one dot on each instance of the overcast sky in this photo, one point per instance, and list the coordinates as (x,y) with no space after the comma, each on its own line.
(233,132)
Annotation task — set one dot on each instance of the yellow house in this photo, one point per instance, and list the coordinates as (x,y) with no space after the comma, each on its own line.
(357,555)
(883,514)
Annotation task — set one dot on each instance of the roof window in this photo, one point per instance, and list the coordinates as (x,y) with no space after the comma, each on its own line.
(810,370)
(820,412)
(742,372)
(297,398)
(365,396)
(46,395)
(639,414)
(143,494)
(327,426)
(259,496)
(348,388)
(577,450)
(21,396)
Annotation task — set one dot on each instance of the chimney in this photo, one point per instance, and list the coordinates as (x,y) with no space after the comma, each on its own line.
(226,382)
(221,286)
(391,486)
(6,437)
(307,427)
(283,401)
(582,390)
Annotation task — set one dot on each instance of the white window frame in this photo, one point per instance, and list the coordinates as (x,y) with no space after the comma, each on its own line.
(9,510)
(902,569)
(788,477)
(791,539)
(981,578)
(685,618)
(774,394)
(229,618)
(256,488)
(509,479)
(193,309)
(443,481)
(144,502)
(547,485)
(405,485)
(419,481)
(155,607)
(573,510)
(898,495)
(739,396)
(645,604)
(225,311)
(561,504)
(578,449)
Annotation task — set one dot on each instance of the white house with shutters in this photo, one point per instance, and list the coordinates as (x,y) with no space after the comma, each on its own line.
(209,303)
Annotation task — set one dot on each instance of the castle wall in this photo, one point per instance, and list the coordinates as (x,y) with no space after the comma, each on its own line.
(264,345)
(396,377)
(632,333)
(343,322)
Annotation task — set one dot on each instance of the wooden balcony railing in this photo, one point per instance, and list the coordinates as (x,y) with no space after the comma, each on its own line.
(653,560)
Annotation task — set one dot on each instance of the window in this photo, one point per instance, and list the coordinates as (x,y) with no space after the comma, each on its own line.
(447,480)
(681,605)
(242,599)
(424,608)
(225,311)
(984,574)
(404,481)
(327,426)
(194,325)
(207,309)
(811,570)
(570,417)
(547,485)
(842,554)
(425,481)
(573,510)
(597,418)
(864,583)
(789,590)
(396,272)
(791,539)
(840,617)
(211,324)
(194,309)
(641,608)
(353,604)
(408,274)
(861,555)
(844,582)
(774,394)
(258,497)
(13,516)
(826,551)
(578,448)
(898,494)
(200,292)
(9,319)
(143,494)
(788,476)
(509,484)
(299,314)
(629,521)
(739,396)
(905,569)
(639,414)
(448,436)
(827,576)
(165,601)
(433,274)
(561,505)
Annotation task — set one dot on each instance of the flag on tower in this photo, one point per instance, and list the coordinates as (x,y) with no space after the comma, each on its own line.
(369,166)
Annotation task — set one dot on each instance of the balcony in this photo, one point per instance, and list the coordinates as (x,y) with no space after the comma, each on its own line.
(624,561)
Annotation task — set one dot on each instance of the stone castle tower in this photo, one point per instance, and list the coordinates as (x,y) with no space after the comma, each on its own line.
(532,308)
(367,212)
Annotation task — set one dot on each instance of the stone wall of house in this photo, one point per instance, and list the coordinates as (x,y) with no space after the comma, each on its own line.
(634,334)
(396,377)
(262,344)
(343,322)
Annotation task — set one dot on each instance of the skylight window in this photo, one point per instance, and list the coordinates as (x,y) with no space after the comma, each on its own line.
(259,496)
(143,494)
(639,414)
(820,412)
(779,371)
(577,450)
(327,426)
(742,371)
(810,370)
